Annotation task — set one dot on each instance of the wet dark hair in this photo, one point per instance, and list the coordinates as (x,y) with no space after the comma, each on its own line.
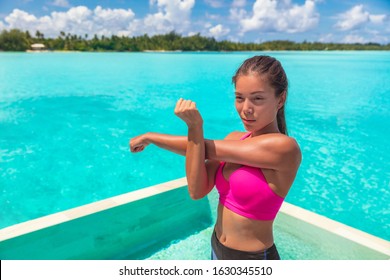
(272,70)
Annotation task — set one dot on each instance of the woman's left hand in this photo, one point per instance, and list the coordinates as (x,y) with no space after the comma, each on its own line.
(187,111)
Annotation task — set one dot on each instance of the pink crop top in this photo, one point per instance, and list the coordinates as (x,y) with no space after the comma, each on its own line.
(247,192)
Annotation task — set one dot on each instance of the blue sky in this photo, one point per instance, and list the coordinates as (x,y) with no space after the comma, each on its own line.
(342,21)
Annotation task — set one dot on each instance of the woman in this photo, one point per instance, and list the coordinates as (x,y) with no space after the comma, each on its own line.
(252,171)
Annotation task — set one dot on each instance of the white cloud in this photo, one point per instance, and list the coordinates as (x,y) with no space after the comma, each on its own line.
(212,16)
(239,3)
(115,21)
(280,16)
(326,38)
(233,39)
(77,20)
(376,37)
(19,19)
(192,33)
(378,19)
(218,31)
(60,3)
(353,18)
(80,20)
(171,15)
(350,39)
(237,14)
(214,3)
(357,17)
(207,25)
(112,21)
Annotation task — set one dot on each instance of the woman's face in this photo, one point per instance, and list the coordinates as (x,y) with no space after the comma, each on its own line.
(257,104)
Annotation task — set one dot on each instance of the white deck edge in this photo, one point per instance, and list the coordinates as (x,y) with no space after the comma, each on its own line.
(340,229)
(88,209)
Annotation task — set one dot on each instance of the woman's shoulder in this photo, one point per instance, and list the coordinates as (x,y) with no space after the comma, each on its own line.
(279,137)
(235,135)
(277,141)
(281,142)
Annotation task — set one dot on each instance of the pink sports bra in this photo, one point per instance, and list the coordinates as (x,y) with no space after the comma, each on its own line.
(247,192)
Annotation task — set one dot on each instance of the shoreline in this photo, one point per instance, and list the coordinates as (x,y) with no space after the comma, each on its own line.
(182,51)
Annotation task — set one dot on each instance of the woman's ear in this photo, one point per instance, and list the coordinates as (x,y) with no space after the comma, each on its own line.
(282,99)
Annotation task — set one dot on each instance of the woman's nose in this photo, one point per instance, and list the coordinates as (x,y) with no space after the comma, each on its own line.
(247,107)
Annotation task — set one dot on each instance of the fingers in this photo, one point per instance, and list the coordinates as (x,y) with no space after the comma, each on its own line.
(193,105)
(137,149)
(187,111)
(183,105)
(178,105)
(136,144)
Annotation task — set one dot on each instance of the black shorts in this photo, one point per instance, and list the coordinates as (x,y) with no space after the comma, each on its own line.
(221,252)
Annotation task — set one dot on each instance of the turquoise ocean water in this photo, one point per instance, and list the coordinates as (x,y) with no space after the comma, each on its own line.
(66,119)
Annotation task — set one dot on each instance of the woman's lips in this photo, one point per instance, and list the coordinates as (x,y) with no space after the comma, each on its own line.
(248,121)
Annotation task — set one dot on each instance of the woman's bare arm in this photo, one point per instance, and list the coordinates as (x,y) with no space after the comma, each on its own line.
(176,144)
(271,151)
(197,173)
(196,170)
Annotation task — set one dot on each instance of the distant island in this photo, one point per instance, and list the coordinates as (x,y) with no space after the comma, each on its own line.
(17,40)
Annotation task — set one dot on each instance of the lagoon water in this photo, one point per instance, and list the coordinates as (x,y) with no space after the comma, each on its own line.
(66,119)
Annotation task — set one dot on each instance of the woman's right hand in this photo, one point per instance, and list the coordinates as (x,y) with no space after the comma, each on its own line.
(138,143)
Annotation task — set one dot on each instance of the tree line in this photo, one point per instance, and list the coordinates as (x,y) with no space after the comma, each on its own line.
(17,40)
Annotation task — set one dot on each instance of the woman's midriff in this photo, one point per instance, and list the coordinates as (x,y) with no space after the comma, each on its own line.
(240,233)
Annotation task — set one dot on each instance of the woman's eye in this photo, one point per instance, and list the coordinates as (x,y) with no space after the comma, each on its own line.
(258,98)
(239,98)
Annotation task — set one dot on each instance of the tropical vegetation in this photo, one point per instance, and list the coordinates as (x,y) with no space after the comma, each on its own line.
(17,40)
